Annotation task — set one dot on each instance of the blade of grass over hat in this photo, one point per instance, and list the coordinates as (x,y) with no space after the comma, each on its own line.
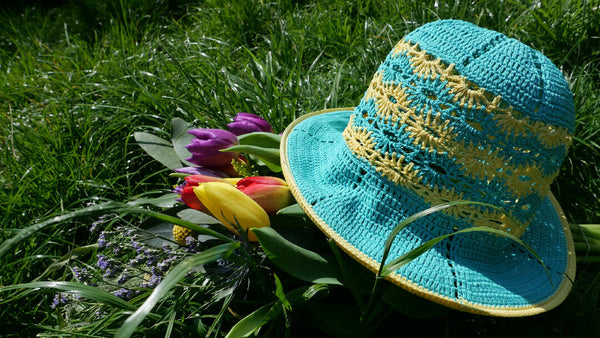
(455,112)
(386,269)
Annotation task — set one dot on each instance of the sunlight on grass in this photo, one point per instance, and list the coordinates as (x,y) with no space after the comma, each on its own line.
(78,80)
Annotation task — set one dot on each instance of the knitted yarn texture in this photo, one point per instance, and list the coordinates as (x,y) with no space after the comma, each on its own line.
(455,112)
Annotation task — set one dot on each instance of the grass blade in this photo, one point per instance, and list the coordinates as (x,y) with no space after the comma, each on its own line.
(83,290)
(251,323)
(110,206)
(26,232)
(416,252)
(416,216)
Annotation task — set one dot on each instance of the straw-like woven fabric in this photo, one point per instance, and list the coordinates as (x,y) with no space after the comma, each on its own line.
(455,112)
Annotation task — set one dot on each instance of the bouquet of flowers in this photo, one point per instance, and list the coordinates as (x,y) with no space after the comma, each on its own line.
(226,252)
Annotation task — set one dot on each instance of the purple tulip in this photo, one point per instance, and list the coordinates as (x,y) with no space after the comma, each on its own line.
(201,171)
(244,123)
(205,147)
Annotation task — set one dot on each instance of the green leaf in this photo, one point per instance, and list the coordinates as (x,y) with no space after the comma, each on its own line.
(254,321)
(163,233)
(281,295)
(270,156)
(197,217)
(160,149)
(355,277)
(172,278)
(180,138)
(178,221)
(164,201)
(293,210)
(261,139)
(297,261)
(89,292)
(179,126)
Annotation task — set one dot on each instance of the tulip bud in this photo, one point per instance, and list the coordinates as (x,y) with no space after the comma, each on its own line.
(205,147)
(271,193)
(244,123)
(187,191)
(232,207)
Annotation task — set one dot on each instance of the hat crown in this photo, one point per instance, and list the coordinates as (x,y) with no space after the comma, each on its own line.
(458,112)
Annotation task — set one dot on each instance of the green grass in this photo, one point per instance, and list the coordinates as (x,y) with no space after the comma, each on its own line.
(76,81)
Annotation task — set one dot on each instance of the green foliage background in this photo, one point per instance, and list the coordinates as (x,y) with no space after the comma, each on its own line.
(78,78)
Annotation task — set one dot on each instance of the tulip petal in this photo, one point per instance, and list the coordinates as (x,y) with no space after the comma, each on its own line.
(200,171)
(212,160)
(195,180)
(207,134)
(271,198)
(231,206)
(267,180)
(244,123)
(189,198)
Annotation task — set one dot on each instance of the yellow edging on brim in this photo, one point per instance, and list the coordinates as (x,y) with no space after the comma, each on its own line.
(557,298)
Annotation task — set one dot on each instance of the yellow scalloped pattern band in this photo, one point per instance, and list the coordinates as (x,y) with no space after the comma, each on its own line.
(398,170)
(469,95)
(429,131)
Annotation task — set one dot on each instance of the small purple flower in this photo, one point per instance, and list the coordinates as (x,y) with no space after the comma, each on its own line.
(137,246)
(59,298)
(165,264)
(151,260)
(103,262)
(123,278)
(80,274)
(110,273)
(136,261)
(102,243)
(94,226)
(123,293)
(205,147)
(244,123)
(167,248)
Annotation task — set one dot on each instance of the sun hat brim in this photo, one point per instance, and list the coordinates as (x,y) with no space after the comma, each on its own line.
(473,272)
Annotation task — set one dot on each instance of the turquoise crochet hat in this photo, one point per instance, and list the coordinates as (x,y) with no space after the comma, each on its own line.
(455,112)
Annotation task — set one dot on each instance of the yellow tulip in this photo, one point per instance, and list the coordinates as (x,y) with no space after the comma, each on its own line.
(229,205)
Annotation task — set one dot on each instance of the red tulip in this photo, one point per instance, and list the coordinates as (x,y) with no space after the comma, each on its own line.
(187,192)
(271,193)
